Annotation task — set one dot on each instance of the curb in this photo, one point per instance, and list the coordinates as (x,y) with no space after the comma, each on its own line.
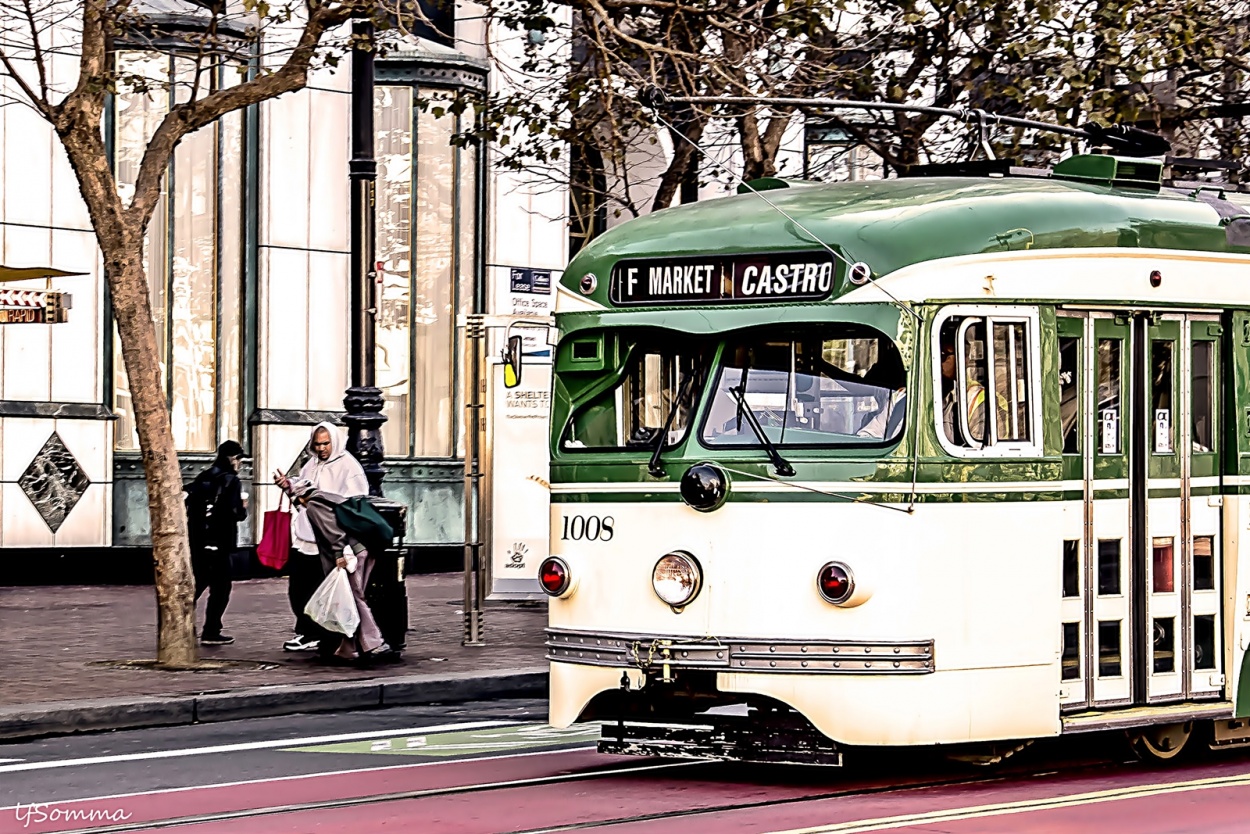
(65,717)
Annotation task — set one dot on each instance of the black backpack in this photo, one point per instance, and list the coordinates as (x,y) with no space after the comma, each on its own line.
(203,499)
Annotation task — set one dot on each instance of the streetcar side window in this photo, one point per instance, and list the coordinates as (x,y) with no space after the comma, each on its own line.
(986,368)
(655,394)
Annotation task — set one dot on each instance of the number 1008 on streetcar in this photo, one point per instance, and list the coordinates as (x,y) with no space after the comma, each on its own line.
(927,461)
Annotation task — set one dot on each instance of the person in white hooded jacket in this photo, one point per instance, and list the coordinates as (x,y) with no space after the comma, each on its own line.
(329,469)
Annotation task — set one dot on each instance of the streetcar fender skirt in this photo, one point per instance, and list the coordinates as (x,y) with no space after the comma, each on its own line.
(573,686)
(946,707)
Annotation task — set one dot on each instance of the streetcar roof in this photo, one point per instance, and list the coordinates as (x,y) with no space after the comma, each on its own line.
(891,224)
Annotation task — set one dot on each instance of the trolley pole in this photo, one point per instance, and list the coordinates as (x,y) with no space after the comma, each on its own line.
(363,401)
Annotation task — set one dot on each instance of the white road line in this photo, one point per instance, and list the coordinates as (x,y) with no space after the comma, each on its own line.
(1023,806)
(296,777)
(253,745)
(4,761)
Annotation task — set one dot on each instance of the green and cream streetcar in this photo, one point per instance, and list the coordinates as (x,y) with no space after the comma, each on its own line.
(946,460)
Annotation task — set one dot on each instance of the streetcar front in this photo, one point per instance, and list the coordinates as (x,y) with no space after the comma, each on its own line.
(699,419)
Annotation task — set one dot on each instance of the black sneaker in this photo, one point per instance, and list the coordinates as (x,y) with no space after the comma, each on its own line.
(216,640)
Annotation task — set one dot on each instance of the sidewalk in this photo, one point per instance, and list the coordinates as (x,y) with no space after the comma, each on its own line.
(59,646)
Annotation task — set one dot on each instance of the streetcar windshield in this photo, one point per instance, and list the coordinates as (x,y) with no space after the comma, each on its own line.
(843,386)
(655,396)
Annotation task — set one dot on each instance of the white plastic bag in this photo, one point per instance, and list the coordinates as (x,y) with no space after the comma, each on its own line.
(332,605)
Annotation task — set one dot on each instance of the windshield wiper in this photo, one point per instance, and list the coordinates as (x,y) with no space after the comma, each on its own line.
(780,464)
(655,467)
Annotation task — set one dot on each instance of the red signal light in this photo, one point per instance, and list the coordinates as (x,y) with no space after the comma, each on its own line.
(836,583)
(553,575)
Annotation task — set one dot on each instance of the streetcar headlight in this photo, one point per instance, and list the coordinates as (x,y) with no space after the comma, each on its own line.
(704,487)
(677,578)
(836,582)
(554,577)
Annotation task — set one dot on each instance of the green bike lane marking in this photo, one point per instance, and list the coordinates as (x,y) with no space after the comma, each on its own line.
(511,739)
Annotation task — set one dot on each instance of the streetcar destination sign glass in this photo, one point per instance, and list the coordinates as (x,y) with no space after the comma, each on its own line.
(785,276)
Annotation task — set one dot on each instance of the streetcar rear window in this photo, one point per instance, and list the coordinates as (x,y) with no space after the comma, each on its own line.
(843,386)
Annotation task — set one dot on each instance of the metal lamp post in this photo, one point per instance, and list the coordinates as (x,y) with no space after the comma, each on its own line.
(363,400)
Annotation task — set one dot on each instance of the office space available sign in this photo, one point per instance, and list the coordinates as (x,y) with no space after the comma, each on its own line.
(712,279)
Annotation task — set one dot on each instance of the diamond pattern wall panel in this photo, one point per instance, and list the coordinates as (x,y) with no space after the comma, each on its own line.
(54,482)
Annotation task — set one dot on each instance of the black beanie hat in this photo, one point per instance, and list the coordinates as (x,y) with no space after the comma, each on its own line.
(229,449)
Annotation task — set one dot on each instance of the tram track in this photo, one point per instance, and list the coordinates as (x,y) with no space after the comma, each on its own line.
(694,813)
(356,801)
(847,791)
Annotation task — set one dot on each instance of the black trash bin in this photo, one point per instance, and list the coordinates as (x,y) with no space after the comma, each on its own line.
(386,593)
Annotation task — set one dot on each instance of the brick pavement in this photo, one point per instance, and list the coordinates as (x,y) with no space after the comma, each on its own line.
(51,636)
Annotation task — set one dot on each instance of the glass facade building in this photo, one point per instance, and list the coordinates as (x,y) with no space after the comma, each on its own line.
(247,258)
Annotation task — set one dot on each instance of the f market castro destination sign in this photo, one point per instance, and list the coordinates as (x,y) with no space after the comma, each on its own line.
(744,279)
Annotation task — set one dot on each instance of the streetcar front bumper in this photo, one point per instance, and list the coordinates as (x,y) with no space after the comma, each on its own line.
(658,654)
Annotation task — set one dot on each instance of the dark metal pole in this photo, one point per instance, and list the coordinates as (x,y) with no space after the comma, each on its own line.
(364,400)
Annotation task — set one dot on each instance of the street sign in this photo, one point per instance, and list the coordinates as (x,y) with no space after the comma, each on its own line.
(34,307)
(23,306)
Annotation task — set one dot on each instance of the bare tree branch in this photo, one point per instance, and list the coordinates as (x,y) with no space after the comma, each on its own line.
(192,115)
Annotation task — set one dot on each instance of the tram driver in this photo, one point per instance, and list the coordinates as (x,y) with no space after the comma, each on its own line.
(973,393)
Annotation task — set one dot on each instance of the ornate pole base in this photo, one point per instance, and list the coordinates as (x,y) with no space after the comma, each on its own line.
(364,421)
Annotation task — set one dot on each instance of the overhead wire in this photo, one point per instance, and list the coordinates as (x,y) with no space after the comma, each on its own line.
(902,305)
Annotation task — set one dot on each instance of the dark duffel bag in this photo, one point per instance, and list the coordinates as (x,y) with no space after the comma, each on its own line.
(387,597)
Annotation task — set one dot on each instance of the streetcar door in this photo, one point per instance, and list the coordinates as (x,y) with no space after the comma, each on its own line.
(1141,578)
(1202,580)
(1158,585)
(1179,584)
(1109,649)
(1096,611)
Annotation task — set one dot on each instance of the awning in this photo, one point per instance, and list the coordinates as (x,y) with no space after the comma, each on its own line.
(27,273)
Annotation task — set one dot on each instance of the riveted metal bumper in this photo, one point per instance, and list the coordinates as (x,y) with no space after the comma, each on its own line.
(735,654)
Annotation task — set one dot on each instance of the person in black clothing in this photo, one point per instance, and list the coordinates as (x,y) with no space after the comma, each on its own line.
(214,509)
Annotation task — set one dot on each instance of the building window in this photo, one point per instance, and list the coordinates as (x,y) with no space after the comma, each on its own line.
(427,233)
(193,250)
(832,154)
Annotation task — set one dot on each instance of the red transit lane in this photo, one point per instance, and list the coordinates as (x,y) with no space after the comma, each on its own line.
(1208,798)
(298,790)
(584,790)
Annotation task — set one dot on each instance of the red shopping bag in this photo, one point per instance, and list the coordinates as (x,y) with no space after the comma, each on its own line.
(275,538)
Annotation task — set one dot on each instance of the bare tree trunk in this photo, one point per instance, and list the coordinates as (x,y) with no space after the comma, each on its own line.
(122,246)
(171,557)
(753,156)
(683,160)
